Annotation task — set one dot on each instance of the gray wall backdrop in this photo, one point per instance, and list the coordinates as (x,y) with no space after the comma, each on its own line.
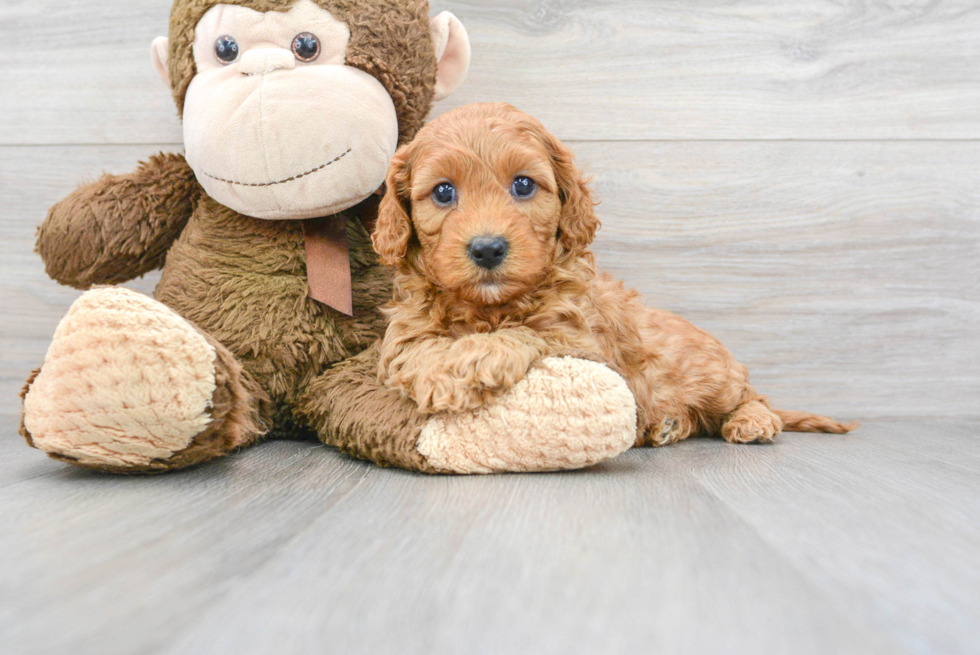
(800,178)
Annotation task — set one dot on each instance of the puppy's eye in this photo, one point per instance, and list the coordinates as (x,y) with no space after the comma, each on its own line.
(444,195)
(524,187)
(306,47)
(226,49)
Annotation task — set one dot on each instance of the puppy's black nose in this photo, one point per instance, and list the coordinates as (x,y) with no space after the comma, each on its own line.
(488,252)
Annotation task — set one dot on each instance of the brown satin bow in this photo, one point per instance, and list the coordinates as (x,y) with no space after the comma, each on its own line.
(328,255)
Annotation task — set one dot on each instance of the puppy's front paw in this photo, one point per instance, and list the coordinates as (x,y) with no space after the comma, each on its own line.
(476,372)
(442,392)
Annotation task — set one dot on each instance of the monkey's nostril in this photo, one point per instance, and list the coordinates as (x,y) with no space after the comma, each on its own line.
(488,252)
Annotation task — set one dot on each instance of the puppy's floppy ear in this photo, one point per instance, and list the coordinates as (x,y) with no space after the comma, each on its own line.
(578,223)
(394,227)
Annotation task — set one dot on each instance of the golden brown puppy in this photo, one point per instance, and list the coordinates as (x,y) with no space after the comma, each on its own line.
(489,223)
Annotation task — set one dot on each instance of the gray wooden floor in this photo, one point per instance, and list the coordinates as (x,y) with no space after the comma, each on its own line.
(800,178)
(816,544)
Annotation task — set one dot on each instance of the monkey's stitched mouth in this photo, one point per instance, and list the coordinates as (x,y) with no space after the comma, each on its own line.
(288,179)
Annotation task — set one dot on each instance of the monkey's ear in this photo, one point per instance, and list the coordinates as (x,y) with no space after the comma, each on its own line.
(393,230)
(452,53)
(160,52)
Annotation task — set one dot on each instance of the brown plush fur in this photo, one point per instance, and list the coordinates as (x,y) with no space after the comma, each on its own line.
(390,40)
(374,423)
(121,226)
(460,335)
(242,281)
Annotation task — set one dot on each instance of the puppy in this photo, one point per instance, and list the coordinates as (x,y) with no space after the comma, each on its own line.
(489,224)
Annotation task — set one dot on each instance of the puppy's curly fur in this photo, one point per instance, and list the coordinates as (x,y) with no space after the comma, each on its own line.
(460,334)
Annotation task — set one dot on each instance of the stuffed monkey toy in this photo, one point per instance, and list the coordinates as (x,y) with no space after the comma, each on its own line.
(265,321)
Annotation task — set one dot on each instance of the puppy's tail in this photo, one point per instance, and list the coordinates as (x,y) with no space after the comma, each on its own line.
(805,422)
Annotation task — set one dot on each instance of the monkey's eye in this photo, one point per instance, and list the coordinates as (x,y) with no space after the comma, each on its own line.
(524,187)
(226,49)
(306,47)
(444,194)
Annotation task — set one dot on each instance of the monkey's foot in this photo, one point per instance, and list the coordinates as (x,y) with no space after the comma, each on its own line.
(130,386)
(566,414)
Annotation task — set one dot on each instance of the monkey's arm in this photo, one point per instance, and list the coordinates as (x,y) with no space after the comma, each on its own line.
(443,374)
(566,414)
(119,227)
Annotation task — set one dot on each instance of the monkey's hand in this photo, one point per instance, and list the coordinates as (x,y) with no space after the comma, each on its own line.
(457,375)
(119,227)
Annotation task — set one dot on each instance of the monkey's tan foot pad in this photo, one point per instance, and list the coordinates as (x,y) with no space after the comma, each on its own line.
(126,383)
(566,414)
